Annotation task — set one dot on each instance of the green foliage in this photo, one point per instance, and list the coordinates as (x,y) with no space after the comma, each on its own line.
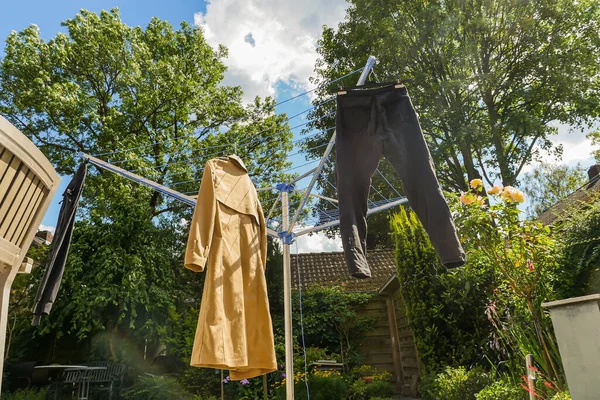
(155,387)
(331,320)
(455,384)
(379,389)
(502,390)
(26,394)
(357,391)
(324,385)
(23,292)
(579,246)
(361,390)
(550,183)
(444,310)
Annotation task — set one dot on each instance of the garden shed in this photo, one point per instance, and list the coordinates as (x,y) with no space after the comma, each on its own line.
(390,345)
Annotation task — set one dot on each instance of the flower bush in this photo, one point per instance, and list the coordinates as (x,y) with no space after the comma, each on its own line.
(377,374)
(525,256)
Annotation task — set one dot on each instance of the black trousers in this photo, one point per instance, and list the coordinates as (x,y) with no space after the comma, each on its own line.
(369,123)
(59,249)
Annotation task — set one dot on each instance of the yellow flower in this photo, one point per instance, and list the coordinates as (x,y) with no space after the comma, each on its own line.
(518,196)
(475,183)
(495,189)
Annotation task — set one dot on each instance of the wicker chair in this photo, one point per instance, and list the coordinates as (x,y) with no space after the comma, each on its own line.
(28,183)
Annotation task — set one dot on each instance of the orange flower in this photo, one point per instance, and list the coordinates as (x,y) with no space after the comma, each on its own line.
(467,198)
(495,190)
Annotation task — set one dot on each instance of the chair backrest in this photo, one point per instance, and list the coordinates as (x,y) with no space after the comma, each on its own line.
(113,372)
(27,184)
(72,376)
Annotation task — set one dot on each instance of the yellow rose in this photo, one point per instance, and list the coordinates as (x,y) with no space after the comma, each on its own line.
(517,196)
(475,183)
(507,193)
(495,189)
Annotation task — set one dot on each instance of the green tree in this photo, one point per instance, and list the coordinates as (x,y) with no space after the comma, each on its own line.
(151,101)
(549,183)
(486,77)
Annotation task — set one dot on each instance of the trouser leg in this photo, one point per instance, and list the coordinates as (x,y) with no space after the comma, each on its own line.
(358,150)
(405,147)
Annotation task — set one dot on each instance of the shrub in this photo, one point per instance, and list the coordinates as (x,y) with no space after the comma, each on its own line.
(26,394)
(358,390)
(323,385)
(379,389)
(562,396)
(156,387)
(455,384)
(502,390)
(444,309)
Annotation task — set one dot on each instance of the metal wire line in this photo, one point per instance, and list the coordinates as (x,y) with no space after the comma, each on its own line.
(244,117)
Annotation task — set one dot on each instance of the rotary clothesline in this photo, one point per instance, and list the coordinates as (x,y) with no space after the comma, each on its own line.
(289,229)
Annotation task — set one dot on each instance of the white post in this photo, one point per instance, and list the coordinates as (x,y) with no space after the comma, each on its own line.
(287,302)
(530,376)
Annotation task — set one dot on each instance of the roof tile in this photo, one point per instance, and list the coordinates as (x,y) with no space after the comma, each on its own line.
(330,268)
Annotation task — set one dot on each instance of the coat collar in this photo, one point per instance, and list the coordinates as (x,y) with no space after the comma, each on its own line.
(238,161)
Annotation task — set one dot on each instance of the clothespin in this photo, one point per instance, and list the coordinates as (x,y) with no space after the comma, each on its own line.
(398,84)
(341,91)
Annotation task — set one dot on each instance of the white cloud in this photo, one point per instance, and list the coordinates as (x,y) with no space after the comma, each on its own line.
(317,243)
(47,228)
(576,147)
(269,41)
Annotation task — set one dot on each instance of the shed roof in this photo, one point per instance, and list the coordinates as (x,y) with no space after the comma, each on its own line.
(573,202)
(330,268)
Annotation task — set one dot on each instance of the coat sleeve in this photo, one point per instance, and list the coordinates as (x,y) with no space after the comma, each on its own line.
(203,223)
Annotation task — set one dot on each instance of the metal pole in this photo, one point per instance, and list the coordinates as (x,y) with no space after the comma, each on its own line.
(287,302)
(361,81)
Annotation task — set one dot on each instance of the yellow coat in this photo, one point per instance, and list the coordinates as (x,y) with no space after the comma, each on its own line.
(228,235)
